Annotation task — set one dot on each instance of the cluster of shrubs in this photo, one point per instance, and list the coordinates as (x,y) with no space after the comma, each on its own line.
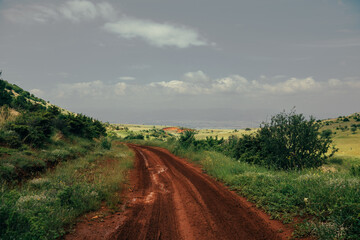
(37,123)
(289,141)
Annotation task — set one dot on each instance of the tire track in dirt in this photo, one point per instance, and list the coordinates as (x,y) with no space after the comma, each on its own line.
(177,201)
(173,199)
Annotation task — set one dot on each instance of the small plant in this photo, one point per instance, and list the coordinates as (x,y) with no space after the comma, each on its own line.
(105,144)
(355,170)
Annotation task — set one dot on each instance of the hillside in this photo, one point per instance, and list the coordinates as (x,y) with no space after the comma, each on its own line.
(54,166)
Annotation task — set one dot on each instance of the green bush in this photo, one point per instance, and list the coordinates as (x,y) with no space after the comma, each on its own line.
(355,170)
(134,136)
(289,141)
(10,139)
(7,172)
(105,144)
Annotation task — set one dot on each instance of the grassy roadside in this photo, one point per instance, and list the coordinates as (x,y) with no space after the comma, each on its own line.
(42,208)
(327,201)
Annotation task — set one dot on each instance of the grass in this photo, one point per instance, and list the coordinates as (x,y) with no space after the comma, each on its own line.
(45,206)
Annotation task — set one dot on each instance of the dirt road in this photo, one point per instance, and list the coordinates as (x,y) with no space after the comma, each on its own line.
(172,199)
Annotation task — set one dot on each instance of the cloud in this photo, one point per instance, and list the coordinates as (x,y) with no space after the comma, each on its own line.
(199,83)
(120,88)
(74,10)
(79,10)
(127,78)
(293,85)
(156,34)
(334,82)
(93,89)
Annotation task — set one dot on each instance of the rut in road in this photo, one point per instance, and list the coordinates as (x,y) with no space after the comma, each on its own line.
(172,199)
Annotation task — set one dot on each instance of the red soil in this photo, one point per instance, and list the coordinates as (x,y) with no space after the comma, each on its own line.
(176,129)
(173,199)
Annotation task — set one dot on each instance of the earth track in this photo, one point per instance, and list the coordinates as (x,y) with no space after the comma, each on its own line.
(173,199)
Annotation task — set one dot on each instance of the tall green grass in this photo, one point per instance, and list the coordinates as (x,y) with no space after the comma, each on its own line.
(44,207)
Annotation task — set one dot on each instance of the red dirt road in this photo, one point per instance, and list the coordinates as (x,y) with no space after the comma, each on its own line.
(172,199)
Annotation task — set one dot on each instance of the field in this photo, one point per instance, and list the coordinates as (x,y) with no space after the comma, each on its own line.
(123,130)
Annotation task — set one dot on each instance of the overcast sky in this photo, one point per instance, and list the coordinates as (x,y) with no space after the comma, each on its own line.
(199,63)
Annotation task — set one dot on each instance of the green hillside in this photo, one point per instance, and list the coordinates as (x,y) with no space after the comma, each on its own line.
(54,166)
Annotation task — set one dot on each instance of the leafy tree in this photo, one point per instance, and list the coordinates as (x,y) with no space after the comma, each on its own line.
(290,141)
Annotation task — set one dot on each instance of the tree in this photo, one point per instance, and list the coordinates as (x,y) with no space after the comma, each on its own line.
(290,141)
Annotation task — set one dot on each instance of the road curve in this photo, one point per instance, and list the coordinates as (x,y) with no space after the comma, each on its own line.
(172,199)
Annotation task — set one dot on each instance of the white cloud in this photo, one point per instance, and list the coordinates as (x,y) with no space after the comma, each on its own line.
(74,10)
(94,89)
(30,13)
(200,83)
(293,85)
(156,34)
(120,88)
(79,10)
(127,78)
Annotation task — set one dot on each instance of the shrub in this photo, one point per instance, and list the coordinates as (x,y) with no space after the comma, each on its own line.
(134,136)
(355,170)
(187,138)
(105,144)
(326,133)
(10,139)
(290,141)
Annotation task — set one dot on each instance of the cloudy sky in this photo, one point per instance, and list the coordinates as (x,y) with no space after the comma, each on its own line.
(202,63)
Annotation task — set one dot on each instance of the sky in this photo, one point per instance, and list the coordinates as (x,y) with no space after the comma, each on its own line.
(195,63)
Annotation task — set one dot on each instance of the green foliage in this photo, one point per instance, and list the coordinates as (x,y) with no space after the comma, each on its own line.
(105,144)
(5,97)
(10,139)
(187,138)
(326,133)
(34,128)
(134,136)
(290,141)
(355,170)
